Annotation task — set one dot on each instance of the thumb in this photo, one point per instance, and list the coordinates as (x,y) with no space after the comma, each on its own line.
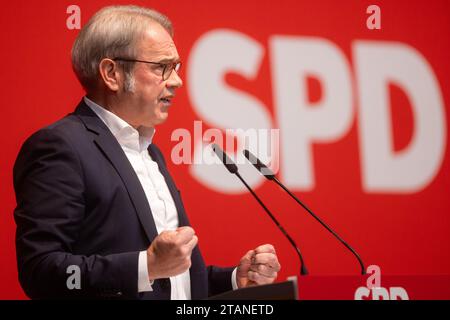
(246,261)
(244,268)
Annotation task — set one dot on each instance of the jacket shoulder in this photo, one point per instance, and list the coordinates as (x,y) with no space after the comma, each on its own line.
(66,129)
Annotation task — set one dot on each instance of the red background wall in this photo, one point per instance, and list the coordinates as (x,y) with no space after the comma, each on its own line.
(405,234)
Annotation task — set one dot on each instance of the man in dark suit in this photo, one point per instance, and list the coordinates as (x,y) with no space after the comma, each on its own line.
(93,192)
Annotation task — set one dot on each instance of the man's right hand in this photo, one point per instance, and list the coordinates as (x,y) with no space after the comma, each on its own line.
(170,253)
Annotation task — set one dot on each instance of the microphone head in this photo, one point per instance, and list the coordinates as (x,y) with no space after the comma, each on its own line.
(227,162)
(261,167)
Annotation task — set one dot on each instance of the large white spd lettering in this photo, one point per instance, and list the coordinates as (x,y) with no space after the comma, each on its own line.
(292,60)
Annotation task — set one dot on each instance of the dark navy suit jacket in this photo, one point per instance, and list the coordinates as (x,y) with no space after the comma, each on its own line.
(79,202)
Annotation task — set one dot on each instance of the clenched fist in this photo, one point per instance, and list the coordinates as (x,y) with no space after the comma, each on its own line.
(259,266)
(170,253)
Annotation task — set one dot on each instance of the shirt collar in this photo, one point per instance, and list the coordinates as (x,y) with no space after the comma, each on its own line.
(125,134)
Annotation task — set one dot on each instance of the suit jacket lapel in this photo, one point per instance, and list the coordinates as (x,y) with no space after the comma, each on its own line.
(156,156)
(112,150)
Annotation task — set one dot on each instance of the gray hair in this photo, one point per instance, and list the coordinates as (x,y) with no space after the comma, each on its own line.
(112,32)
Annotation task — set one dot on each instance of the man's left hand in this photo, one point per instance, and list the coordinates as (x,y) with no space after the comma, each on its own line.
(258,266)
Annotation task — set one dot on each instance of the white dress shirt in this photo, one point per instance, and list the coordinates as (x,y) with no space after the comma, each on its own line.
(135,143)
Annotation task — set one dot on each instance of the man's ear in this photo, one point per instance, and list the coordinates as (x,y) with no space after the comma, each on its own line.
(110,74)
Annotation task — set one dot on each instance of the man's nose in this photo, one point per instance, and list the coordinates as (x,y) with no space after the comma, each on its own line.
(174,80)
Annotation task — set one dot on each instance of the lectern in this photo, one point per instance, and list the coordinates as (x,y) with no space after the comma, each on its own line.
(286,290)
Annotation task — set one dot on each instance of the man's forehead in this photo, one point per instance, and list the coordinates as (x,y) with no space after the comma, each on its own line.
(157,42)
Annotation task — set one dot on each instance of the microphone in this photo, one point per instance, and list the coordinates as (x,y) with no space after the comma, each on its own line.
(264,170)
(232,168)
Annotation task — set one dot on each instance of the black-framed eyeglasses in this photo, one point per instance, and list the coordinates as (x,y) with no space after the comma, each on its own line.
(167,67)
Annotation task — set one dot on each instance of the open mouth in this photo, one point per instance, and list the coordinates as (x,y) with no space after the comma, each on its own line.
(166,100)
